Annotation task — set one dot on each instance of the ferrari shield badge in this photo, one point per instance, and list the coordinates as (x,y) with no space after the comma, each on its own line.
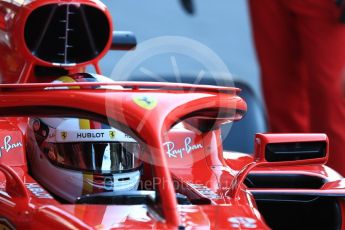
(145,101)
(63,135)
(112,134)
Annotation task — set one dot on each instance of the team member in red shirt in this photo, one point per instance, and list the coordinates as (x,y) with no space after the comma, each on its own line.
(301,51)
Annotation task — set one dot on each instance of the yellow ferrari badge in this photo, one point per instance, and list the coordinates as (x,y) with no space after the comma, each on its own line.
(145,101)
(63,135)
(112,134)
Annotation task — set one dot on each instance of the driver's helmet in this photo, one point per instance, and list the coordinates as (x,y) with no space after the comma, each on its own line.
(72,157)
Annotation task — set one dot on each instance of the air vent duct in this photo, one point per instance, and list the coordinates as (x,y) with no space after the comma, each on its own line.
(67,34)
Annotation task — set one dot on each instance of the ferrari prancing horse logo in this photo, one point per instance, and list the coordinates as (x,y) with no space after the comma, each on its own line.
(63,135)
(112,134)
(145,101)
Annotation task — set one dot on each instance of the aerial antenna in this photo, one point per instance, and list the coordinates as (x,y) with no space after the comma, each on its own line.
(188,6)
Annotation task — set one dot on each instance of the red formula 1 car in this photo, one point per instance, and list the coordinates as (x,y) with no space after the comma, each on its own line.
(79,151)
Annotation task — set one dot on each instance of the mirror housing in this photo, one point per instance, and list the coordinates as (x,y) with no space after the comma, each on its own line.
(291,149)
(288,149)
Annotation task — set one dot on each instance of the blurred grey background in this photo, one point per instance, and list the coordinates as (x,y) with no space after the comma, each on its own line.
(221,25)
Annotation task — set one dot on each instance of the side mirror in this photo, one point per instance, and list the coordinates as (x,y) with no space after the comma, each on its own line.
(283,149)
(291,149)
(123,40)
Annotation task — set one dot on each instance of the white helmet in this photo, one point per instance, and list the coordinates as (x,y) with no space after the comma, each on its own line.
(72,157)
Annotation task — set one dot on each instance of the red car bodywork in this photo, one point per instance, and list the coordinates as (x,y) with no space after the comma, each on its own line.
(170,107)
(189,161)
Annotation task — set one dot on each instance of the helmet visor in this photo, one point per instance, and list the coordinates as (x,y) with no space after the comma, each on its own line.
(95,156)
